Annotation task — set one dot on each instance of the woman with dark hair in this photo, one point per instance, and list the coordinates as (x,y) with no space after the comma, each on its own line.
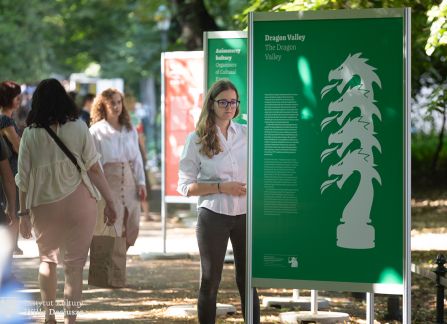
(60,194)
(117,141)
(213,167)
(9,103)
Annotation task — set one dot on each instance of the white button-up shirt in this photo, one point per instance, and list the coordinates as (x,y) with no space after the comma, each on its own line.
(118,146)
(229,165)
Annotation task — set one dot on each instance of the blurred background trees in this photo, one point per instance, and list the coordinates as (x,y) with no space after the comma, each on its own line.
(124,38)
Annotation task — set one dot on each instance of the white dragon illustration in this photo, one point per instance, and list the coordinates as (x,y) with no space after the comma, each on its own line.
(354,142)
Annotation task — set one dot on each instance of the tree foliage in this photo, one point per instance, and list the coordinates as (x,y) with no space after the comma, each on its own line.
(25,51)
(40,38)
(437,16)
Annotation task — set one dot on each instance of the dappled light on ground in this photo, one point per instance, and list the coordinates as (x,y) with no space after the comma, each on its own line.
(155,285)
(429,203)
(148,304)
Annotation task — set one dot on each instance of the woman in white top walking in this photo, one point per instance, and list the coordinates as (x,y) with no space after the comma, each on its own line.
(213,167)
(61,197)
(117,141)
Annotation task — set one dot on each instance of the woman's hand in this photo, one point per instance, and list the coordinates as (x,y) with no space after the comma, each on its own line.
(25,227)
(233,188)
(109,213)
(142,194)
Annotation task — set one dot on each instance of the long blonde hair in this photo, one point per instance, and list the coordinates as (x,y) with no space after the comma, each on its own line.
(206,126)
(98,111)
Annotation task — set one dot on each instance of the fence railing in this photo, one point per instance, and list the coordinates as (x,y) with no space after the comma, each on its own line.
(438,276)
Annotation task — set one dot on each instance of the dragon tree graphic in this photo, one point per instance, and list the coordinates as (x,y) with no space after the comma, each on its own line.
(353,142)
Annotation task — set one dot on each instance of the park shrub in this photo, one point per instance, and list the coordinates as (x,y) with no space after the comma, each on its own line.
(423,147)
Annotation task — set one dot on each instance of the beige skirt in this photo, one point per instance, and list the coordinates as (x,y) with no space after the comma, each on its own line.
(66,225)
(127,204)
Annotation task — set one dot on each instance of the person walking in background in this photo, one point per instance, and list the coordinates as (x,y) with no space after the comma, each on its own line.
(8,216)
(74,96)
(60,193)
(117,141)
(136,121)
(142,145)
(7,209)
(213,167)
(87,102)
(25,106)
(9,103)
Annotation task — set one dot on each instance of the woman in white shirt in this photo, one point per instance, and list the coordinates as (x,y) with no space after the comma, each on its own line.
(61,196)
(213,167)
(117,141)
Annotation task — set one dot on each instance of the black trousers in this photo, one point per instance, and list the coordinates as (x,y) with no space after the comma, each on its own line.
(213,231)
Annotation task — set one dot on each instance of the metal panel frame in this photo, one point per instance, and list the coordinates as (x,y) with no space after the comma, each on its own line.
(406,298)
(216,35)
(169,199)
(404,289)
(330,14)
(392,289)
(249,221)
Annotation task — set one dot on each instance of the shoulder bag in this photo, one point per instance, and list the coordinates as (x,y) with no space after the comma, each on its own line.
(63,147)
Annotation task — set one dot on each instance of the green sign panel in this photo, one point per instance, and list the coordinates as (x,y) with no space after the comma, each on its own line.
(328,152)
(226,58)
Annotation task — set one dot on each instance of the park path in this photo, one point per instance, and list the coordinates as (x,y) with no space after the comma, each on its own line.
(154,285)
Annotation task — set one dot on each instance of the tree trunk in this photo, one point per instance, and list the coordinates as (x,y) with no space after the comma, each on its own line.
(194,19)
(434,165)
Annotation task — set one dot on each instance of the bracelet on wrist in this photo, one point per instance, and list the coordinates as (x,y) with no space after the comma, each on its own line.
(23,213)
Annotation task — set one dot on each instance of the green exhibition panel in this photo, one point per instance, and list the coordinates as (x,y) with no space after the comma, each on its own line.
(226,58)
(328,149)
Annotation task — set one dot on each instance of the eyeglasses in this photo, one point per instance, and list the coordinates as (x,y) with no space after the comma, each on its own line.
(224,103)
